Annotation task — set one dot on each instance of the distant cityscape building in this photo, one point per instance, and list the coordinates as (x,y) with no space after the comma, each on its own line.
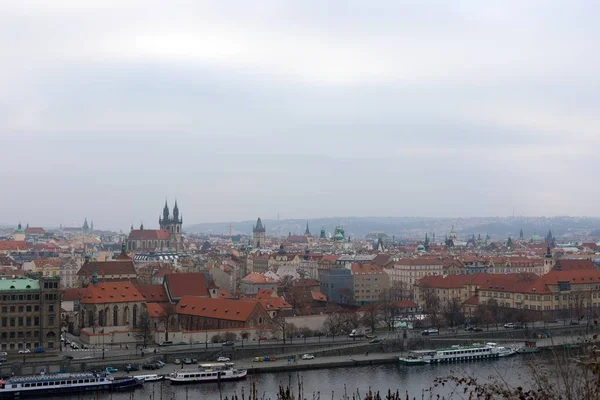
(259,233)
(168,237)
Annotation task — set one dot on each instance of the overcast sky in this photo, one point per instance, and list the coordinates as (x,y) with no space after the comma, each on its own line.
(307,108)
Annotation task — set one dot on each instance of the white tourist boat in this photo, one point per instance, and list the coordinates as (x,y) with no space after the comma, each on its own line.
(472,352)
(39,386)
(210,372)
(415,357)
(150,377)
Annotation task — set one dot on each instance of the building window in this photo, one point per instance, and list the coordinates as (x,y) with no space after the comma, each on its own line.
(28,309)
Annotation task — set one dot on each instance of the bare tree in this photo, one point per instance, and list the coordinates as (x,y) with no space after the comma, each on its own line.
(431,305)
(453,312)
(144,328)
(169,319)
(372,317)
(332,325)
(229,336)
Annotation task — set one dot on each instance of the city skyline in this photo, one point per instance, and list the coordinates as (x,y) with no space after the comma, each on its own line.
(306,109)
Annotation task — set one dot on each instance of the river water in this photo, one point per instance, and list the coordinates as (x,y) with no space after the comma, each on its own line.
(333,383)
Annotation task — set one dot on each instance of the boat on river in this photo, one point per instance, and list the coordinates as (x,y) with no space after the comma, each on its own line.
(150,377)
(474,352)
(210,372)
(60,384)
(415,357)
(529,347)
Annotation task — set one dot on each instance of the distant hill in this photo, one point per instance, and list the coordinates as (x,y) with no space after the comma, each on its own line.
(415,227)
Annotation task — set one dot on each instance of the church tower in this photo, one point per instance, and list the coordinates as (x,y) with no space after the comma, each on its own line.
(173,225)
(259,234)
(548,260)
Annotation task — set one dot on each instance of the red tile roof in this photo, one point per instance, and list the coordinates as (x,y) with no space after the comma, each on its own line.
(73,294)
(149,234)
(571,264)
(366,269)
(112,292)
(153,293)
(121,267)
(419,261)
(155,310)
(35,231)
(318,296)
(186,284)
(42,263)
(232,310)
(255,277)
(405,304)
(11,245)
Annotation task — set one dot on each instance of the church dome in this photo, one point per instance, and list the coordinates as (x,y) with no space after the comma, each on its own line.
(536,238)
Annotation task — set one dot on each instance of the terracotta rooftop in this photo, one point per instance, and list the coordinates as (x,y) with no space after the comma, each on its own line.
(365,269)
(155,310)
(35,231)
(186,284)
(571,264)
(233,310)
(73,294)
(11,245)
(255,277)
(153,293)
(419,261)
(318,296)
(111,292)
(149,234)
(107,268)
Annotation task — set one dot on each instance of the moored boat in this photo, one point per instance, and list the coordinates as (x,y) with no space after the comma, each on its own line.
(472,352)
(150,377)
(415,357)
(528,348)
(60,384)
(210,372)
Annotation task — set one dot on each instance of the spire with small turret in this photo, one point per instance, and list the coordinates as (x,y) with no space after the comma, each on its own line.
(307,231)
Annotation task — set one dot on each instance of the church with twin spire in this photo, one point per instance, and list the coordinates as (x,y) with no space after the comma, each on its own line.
(167,238)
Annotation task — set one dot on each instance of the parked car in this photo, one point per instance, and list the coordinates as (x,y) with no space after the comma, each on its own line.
(111,370)
(371,336)
(374,341)
(67,342)
(68,357)
(198,342)
(150,366)
(194,361)
(177,361)
(473,328)
(132,367)
(166,343)
(223,359)
(181,343)
(24,351)
(307,357)
(39,350)
(430,331)
(187,360)
(160,364)
(228,343)
(74,345)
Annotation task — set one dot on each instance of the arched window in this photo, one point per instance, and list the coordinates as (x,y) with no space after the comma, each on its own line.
(90,318)
(115,316)
(82,318)
(134,318)
(126,316)
(101,317)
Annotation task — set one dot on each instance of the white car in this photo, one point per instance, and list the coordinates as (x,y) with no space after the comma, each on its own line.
(177,361)
(24,351)
(223,359)
(308,357)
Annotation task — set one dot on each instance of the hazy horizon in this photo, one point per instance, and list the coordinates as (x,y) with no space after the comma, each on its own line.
(246,109)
